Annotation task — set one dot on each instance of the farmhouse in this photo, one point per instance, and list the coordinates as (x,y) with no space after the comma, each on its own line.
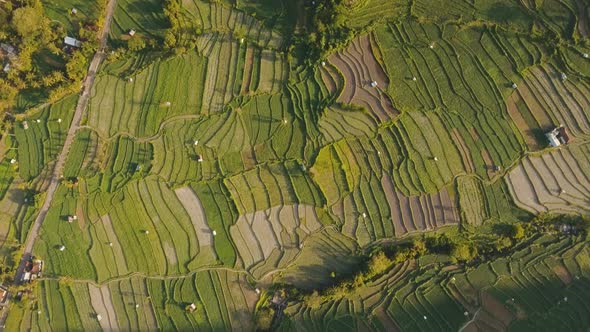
(3,295)
(558,136)
(8,49)
(131,32)
(33,270)
(71,41)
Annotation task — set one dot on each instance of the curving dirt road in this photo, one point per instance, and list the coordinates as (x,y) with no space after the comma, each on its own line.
(57,171)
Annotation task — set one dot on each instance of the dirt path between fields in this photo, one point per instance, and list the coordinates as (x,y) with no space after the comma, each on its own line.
(57,171)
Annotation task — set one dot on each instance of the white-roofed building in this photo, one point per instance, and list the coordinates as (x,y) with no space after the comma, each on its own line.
(71,41)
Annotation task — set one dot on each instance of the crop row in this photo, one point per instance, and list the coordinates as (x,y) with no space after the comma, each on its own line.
(133,304)
(216,17)
(44,137)
(281,228)
(139,107)
(272,185)
(144,227)
(361,71)
(528,291)
(546,101)
(146,17)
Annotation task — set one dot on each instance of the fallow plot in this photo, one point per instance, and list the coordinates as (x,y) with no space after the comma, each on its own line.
(418,213)
(564,102)
(558,181)
(281,228)
(194,208)
(365,80)
(103,306)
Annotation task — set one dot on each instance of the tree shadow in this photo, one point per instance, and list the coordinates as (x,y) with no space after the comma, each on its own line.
(507,13)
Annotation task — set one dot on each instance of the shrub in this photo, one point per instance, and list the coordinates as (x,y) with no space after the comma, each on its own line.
(264,318)
(378,264)
(313,300)
(464,251)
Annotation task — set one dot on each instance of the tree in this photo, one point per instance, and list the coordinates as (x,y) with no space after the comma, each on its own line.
(169,39)
(76,67)
(313,300)
(7,93)
(463,251)
(264,318)
(378,264)
(518,232)
(419,246)
(28,21)
(135,43)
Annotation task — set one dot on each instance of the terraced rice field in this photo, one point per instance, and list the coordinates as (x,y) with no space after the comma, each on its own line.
(454,299)
(556,182)
(542,102)
(138,108)
(144,16)
(207,174)
(361,71)
(223,300)
(217,17)
(41,137)
(471,200)
(273,236)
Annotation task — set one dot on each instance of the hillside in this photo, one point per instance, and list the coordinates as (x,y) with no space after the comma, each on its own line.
(364,165)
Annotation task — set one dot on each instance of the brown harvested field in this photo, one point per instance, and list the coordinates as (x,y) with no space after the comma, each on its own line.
(485,321)
(563,274)
(102,304)
(417,213)
(528,95)
(555,182)
(463,150)
(526,131)
(386,320)
(496,309)
(170,253)
(248,66)
(249,158)
(194,208)
(474,134)
(566,102)
(359,67)
(489,163)
(278,229)
(331,78)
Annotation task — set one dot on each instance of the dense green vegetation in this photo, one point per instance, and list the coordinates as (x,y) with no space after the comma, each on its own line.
(298,165)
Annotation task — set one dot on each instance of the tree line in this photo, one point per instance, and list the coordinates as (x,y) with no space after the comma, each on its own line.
(41,64)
